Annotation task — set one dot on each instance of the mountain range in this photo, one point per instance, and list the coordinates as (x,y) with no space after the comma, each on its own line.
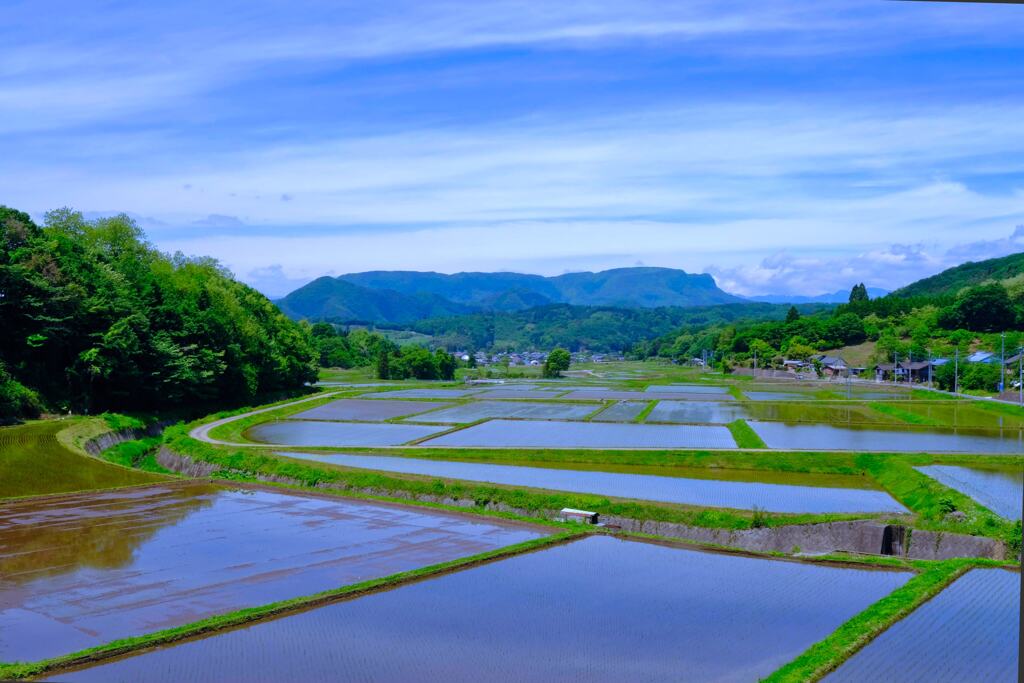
(398,297)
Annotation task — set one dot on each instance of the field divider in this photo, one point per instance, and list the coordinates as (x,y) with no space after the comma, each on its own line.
(124,646)
(648,409)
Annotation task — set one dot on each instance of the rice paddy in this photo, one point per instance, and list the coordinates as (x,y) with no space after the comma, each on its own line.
(483,409)
(366,411)
(1000,490)
(85,569)
(598,609)
(744,495)
(969,632)
(513,434)
(355,434)
(812,437)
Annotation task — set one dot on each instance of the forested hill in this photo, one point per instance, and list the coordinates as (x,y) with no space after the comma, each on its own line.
(950,282)
(93,318)
(390,297)
(594,328)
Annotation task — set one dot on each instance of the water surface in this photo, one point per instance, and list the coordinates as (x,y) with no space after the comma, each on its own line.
(687,388)
(831,437)
(479,410)
(623,411)
(1001,491)
(968,632)
(697,411)
(302,433)
(365,411)
(514,434)
(669,489)
(87,569)
(599,609)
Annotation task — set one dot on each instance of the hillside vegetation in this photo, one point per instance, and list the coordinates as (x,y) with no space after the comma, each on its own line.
(94,317)
(950,282)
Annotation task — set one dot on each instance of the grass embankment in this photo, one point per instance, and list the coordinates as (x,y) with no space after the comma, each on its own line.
(139,454)
(125,645)
(903,415)
(844,642)
(45,457)
(745,435)
(932,501)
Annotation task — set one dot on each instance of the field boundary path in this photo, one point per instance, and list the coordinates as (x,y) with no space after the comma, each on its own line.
(202,432)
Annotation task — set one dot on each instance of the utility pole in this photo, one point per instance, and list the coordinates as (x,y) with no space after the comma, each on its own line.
(956,371)
(1002,362)
(895,364)
(929,351)
(1020,374)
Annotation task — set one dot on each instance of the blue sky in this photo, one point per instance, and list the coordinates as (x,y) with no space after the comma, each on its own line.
(784,147)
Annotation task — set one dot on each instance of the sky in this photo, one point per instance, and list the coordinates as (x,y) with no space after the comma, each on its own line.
(785,147)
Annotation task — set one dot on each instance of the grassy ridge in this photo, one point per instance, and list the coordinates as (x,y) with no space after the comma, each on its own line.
(745,435)
(122,646)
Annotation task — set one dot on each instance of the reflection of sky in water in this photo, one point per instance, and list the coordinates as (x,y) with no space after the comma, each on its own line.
(1000,492)
(830,437)
(702,492)
(599,609)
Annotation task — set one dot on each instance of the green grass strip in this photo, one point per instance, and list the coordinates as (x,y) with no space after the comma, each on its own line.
(645,412)
(735,392)
(844,642)
(123,646)
(902,415)
(745,435)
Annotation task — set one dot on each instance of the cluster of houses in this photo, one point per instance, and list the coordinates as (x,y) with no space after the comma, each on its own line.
(902,371)
(526,358)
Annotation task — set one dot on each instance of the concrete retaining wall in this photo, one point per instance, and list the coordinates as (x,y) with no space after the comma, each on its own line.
(98,444)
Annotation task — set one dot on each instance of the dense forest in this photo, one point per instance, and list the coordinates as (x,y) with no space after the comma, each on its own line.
(95,318)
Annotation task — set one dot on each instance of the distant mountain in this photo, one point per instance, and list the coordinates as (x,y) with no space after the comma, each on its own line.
(838,297)
(952,280)
(328,298)
(402,296)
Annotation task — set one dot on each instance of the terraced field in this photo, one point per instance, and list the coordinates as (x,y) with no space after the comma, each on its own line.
(34,462)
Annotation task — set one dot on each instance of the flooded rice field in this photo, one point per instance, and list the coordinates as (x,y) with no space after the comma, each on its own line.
(663,488)
(697,411)
(425,393)
(687,389)
(776,396)
(968,632)
(598,609)
(1001,491)
(963,414)
(623,411)
(479,410)
(833,413)
(514,434)
(85,569)
(614,394)
(542,394)
(307,433)
(366,411)
(833,437)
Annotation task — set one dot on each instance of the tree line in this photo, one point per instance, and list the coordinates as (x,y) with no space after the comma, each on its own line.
(95,318)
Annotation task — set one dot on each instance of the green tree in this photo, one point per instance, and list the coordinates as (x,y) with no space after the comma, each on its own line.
(556,363)
(859,294)
(792,315)
(986,308)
